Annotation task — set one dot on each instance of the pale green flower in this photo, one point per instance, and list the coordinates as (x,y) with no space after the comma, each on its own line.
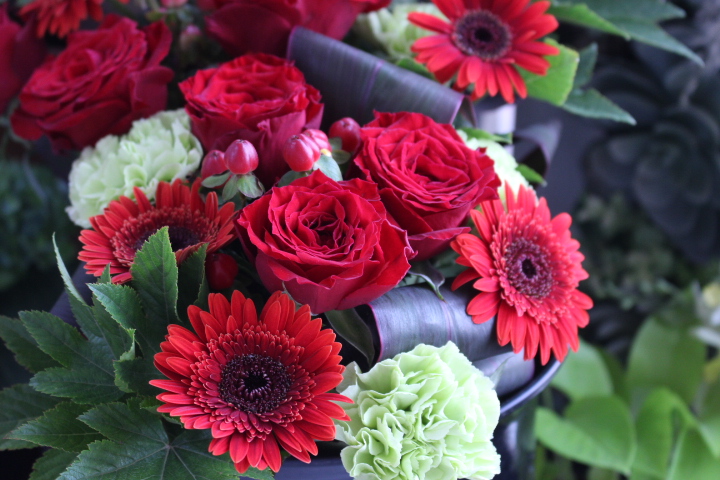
(159,148)
(389,28)
(505,164)
(427,414)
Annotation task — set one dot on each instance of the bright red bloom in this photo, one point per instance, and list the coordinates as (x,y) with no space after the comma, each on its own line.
(119,233)
(527,269)
(259,384)
(60,17)
(484,43)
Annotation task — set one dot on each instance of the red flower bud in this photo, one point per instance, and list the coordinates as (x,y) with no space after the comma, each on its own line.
(241,157)
(221,270)
(213,164)
(348,130)
(300,152)
(319,137)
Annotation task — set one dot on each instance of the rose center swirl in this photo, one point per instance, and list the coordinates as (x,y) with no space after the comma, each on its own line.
(528,269)
(254,383)
(482,34)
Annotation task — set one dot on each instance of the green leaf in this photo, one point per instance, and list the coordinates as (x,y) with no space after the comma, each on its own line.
(349,325)
(19,341)
(583,374)
(665,357)
(647,32)
(250,186)
(530,175)
(656,431)
(693,459)
(479,134)
(555,86)
(84,384)
(586,65)
(413,66)
(123,303)
(592,104)
(428,274)
(329,167)
(582,15)
(18,405)
(231,188)
(191,281)
(654,10)
(133,376)
(52,463)
(105,277)
(155,276)
(341,157)
(289,177)
(709,418)
(139,448)
(216,180)
(597,431)
(67,279)
(59,428)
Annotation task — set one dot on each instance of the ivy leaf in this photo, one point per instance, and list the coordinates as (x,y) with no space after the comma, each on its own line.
(19,341)
(155,277)
(59,428)
(554,87)
(52,463)
(20,404)
(139,448)
(597,431)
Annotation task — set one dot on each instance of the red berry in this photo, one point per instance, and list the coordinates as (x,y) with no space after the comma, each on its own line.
(319,137)
(300,153)
(213,164)
(348,130)
(241,157)
(221,270)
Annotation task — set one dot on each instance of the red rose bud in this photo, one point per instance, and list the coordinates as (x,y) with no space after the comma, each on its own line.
(213,164)
(319,137)
(300,153)
(241,157)
(221,270)
(348,130)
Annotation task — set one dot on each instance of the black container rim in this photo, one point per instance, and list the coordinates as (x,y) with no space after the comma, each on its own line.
(531,389)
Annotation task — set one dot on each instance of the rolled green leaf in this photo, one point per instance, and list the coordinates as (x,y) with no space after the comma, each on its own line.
(411,315)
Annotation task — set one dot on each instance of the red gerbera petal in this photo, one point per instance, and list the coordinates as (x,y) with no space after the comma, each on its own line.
(125,225)
(529,270)
(485,42)
(60,17)
(258,387)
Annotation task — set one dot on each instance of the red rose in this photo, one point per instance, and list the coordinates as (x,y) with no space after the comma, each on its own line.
(429,179)
(259,98)
(329,244)
(243,26)
(20,53)
(103,81)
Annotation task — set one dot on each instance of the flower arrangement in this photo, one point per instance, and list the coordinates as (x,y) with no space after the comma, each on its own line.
(269,218)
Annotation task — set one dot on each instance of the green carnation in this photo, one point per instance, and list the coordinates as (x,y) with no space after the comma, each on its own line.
(424,414)
(506,167)
(390,29)
(159,148)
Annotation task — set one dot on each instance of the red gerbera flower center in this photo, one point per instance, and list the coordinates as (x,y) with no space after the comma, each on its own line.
(483,34)
(255,383)
(186,229)
(528,269)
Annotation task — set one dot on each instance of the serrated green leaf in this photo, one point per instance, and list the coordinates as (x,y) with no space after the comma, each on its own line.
(155,276)
(693,459)
(59,428)
(656,424)
(52,463)
(583,374)
(329,167)
(18,405)
(665,357)
(133,376)
(253,472)
(140,448)
(597,431)
(19,341)
(192,283)
(586,65)
(555,86)
(592,104)
(349,325)
(100,327)
(123,304)
(67,279)
(83,384)
(105,277)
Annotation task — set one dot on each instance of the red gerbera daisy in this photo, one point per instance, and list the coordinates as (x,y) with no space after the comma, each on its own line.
(119,233)
(60,17)
(529,269)
(258,384)
(484,43)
